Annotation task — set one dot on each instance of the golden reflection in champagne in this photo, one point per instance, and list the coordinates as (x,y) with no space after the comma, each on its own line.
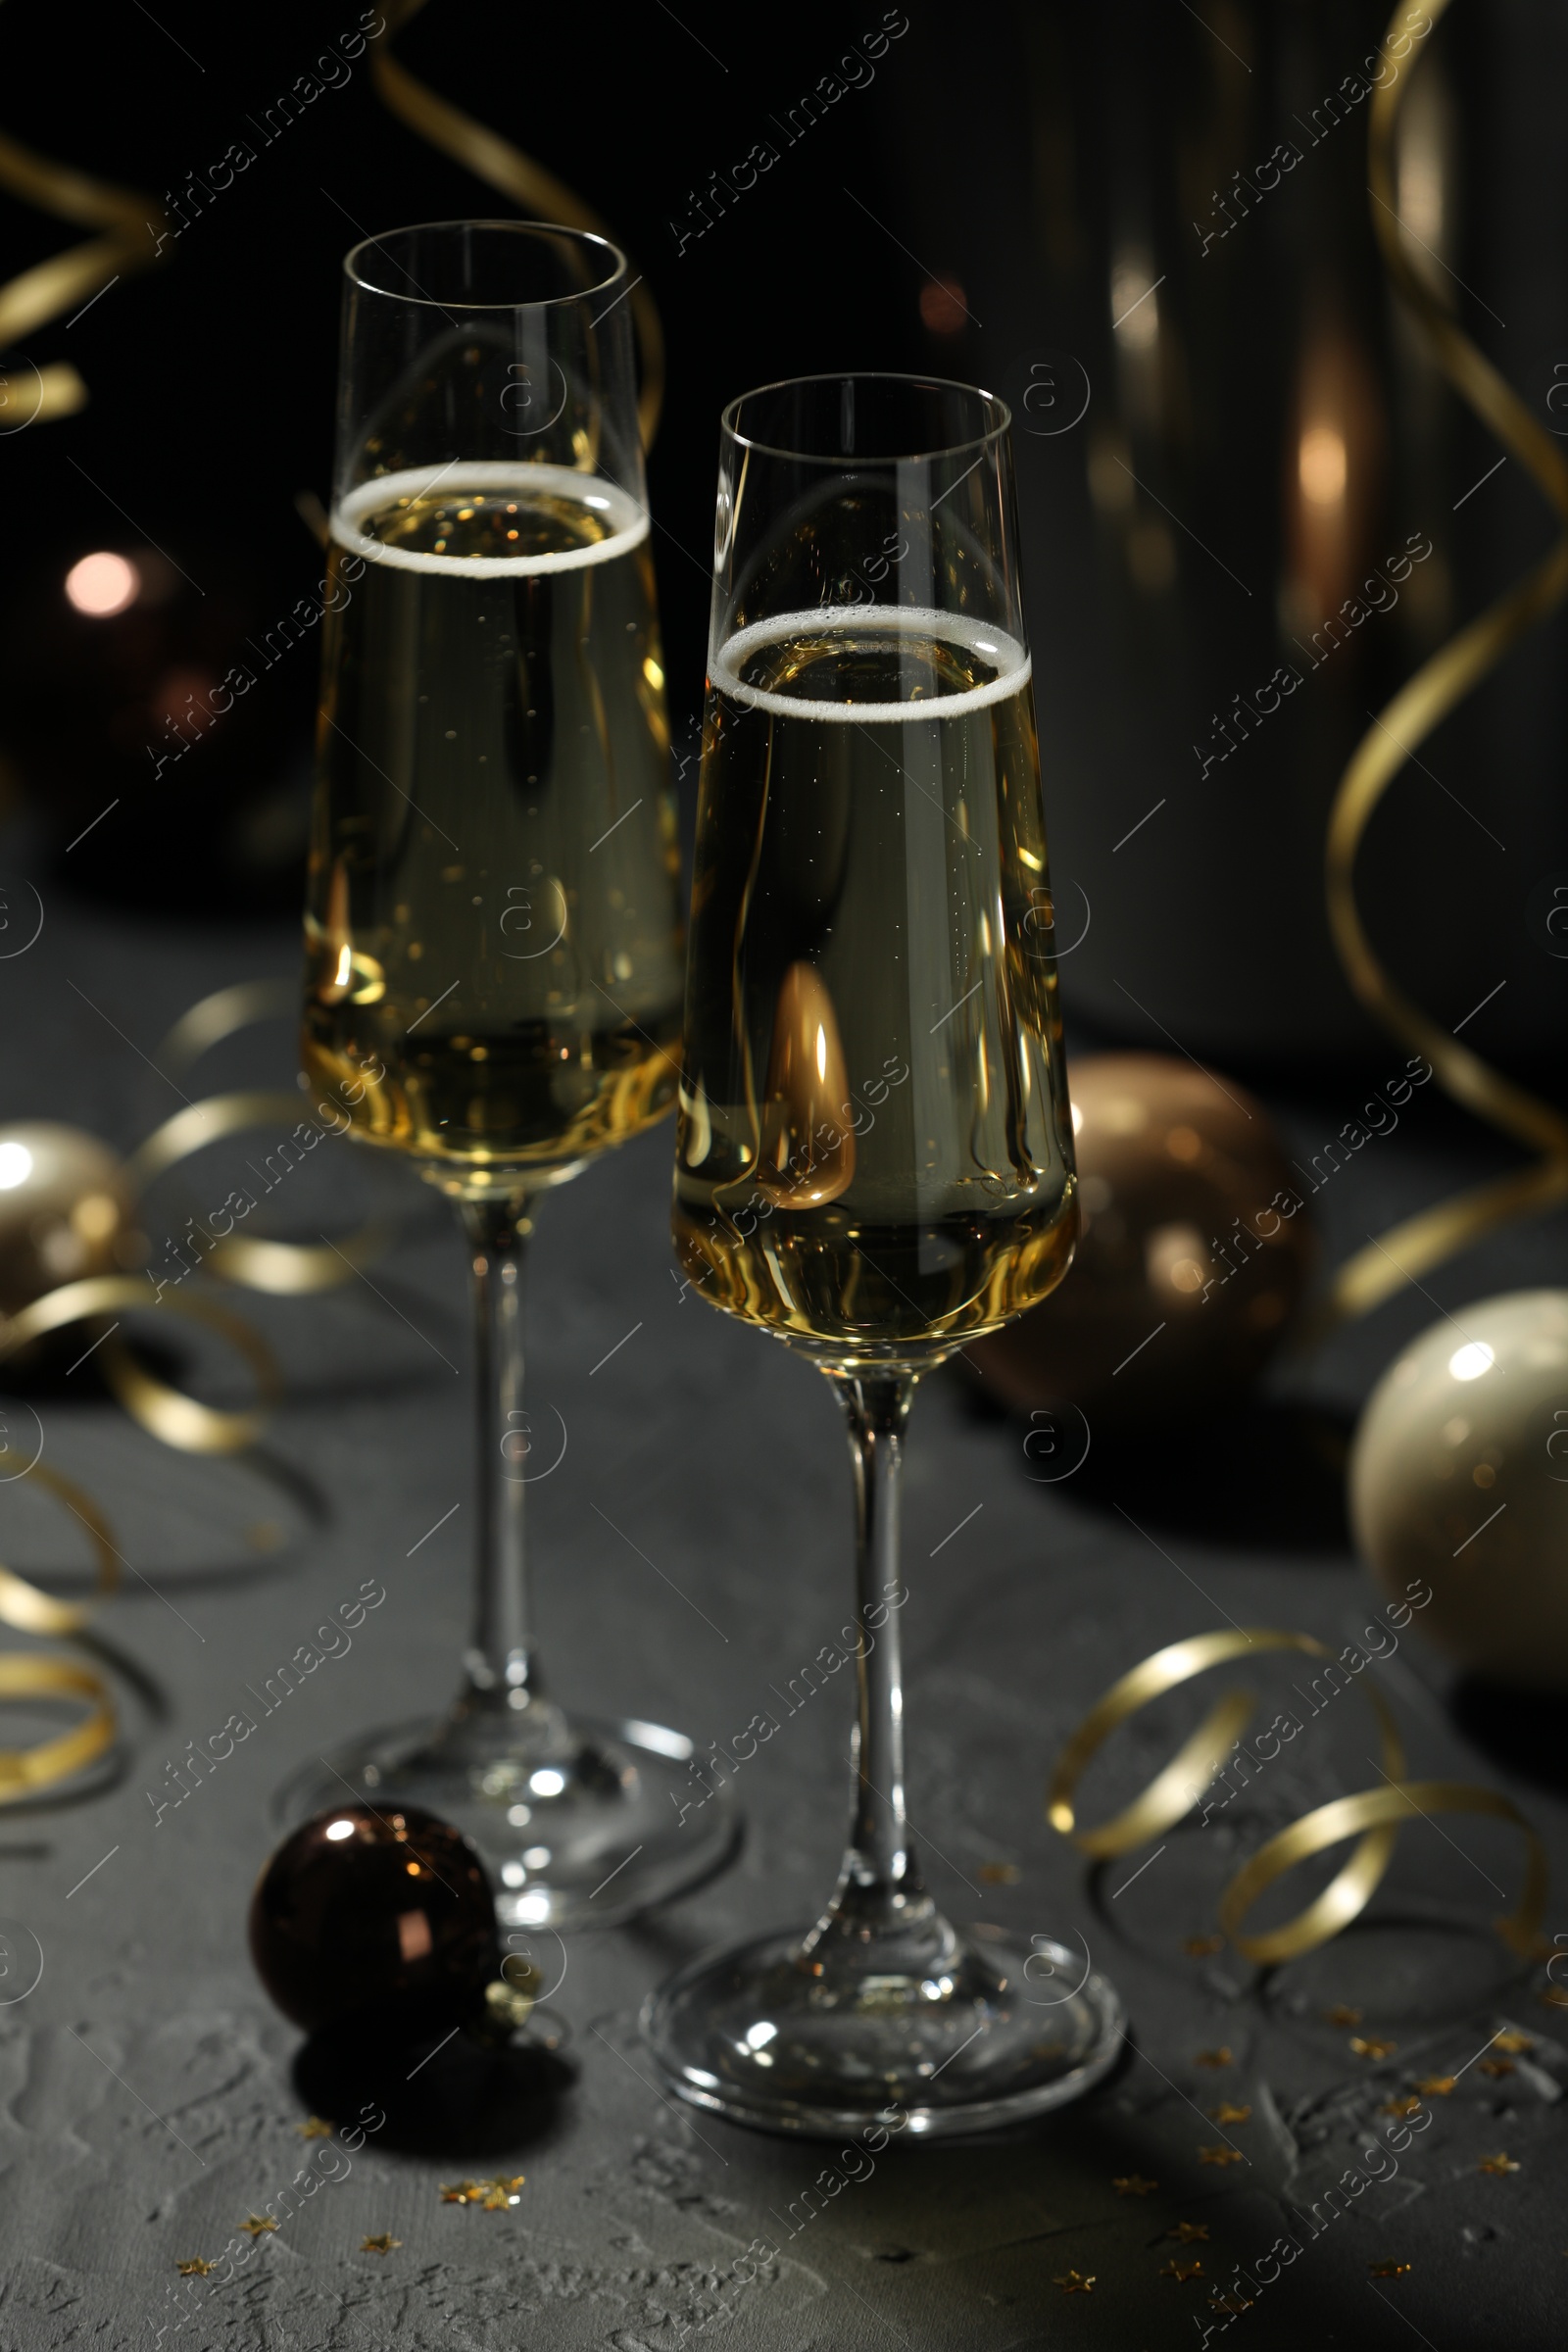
(805,1158)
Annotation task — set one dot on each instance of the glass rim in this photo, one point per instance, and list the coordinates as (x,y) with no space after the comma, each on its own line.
(353,268)
(869,376)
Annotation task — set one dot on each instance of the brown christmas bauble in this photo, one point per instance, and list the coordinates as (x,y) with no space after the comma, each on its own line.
(63,1211)
(383,1922)
(1194,1247)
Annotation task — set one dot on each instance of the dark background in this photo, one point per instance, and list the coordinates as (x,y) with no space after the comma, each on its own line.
(212,375)
(966,214)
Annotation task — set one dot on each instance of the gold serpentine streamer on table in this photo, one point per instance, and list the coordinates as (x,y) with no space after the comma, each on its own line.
(30,1611)
(1410,1248)
(513,174)
(167,1412)
(67,280)
(1373,1816)
(285,1270)
(27,1771)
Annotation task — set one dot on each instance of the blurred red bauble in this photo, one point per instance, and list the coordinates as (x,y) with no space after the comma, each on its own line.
(382,1922)
(1190,1257)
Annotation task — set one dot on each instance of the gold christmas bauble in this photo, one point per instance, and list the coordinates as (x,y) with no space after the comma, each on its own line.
(63,1211)
(1458,1481)
(1196,1246)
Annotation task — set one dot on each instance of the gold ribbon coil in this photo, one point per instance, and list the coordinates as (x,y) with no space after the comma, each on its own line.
(1411,1248)
(1375,1813)
(513,174)
(285,1269)
(66,280)
(30,1611)
(1373,1817)
(25,1770)
(221,1014)
(167,1412)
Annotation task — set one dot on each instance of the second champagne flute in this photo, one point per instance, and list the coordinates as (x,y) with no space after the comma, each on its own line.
(874,1156)
(492,931)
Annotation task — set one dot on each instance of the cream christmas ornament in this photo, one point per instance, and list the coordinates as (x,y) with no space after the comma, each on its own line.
(1459,1476)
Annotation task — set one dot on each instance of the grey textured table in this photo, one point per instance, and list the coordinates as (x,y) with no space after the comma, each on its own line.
(148,2105)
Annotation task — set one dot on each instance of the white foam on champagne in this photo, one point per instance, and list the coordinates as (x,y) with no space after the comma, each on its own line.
(624,519)
(1013,665)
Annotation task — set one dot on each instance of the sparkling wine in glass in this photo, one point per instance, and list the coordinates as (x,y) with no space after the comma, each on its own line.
(492,930)
(874,1154)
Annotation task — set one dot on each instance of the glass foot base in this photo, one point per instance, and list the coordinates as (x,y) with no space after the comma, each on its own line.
(584,1829)
(800,2034)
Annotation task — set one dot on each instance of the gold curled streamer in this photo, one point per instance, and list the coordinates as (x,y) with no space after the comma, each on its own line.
(221,1014)
(30,1611)
(504,168)
(285,1270)
(167,1412)
(1413,1247)
(1375,1813)
(70,280)
(1170,1796)
(25,1770)
(1373,1817)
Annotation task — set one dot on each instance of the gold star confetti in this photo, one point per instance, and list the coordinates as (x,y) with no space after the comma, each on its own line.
(1499,2164)
(1075,2283)
(1435,2086)
(494,2196)
(1234,2304)
(1180,2271)
(1400,2107)
(998,1873)
(1226,2113)
(1132,2184)
(196,2269)
(1219,2057)
(1202,1947)
(1189,2234)
(1372,2045)
(1220,2156)
(1497,2068)
(1513,2042)
(258,2225)
(1339,2015)
(386,2243)
(1389,2270)
(314,2129)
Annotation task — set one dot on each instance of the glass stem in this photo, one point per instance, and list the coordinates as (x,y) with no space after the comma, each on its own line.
(880,1891)
(501,1662)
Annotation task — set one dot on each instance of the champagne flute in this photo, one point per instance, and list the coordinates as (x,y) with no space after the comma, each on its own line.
(874,1154)
(492,931)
